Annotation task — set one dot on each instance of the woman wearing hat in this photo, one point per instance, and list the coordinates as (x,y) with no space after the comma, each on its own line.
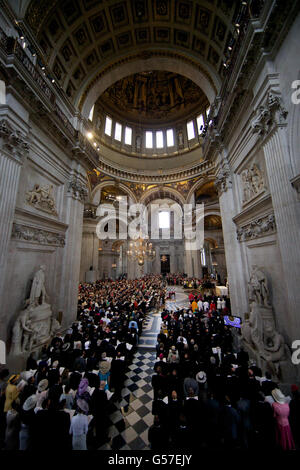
(104,373)
(42,392)
(281,409)
(27,417)
(82,392)
(12,428)
(11,392)
(79,426)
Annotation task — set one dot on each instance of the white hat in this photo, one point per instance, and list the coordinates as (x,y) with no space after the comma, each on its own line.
(30,403)
(26,375)
(278,396)
(201,377)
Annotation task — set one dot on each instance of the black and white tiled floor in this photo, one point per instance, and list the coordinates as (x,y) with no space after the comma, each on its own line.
(131,417)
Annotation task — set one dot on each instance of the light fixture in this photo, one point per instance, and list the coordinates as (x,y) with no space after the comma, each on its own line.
(141,250)
(52,80)
(95,144)
(89,135)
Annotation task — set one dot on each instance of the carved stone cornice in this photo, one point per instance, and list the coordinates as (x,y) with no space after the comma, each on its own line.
(13,140)
(259,227)
(269,115)
(77,189)
(36,235)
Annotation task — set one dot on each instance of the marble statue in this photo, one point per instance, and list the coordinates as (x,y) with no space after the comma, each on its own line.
(42,198)
(36,324)
(259,332)
(38,287)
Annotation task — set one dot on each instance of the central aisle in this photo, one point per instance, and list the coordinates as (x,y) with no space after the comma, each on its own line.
(132,416)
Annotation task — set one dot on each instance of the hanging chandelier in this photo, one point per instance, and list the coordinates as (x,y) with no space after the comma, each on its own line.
(141,250)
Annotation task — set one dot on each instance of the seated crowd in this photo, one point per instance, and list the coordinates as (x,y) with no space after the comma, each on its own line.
(208,395)
(63,400)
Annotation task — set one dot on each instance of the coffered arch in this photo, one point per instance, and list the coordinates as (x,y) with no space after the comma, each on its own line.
(82,38)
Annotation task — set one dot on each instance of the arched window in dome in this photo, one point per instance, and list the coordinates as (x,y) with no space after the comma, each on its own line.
(159,139)
(108,126)
(91,115)
(149,140)
(128,135)
(190,130)
(200,124)
(118,131)
(170,138)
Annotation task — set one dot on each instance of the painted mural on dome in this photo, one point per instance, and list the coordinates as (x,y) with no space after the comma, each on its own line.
(154,95)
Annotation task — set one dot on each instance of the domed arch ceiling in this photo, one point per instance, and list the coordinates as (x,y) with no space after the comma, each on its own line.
(153,97)
(79,38)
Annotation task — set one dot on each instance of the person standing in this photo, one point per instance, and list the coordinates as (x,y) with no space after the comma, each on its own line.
(281,409)
(79,426)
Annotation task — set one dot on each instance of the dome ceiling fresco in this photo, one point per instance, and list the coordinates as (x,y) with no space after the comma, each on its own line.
(79,39)
(150,96)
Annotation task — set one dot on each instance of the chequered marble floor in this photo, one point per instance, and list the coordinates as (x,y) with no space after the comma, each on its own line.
(131,417)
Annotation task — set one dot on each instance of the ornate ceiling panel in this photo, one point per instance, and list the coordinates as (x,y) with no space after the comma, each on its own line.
(79,38)
(151,96)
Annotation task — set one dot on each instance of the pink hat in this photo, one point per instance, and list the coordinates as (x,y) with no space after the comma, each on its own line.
(161,356)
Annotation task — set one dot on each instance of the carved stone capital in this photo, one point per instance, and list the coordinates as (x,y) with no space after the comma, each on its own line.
(77,189)
(259,227)
(269,114)
(36,235)
(13,140)
(223,180)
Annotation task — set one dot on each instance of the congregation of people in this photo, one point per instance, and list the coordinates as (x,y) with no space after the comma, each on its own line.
(62,401)
(208,394)
(206,391)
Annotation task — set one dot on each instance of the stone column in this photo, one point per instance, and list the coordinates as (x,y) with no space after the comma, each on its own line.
(270,125)
(172,258)
(233,252)
(76,194)
(13,150)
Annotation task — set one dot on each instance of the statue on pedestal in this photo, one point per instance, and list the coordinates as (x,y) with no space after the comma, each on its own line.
(36,324)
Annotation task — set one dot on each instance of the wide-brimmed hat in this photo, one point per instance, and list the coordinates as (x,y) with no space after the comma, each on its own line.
(83,385)
(26,375)
(104,367)
(278,396)
(65,347)
(43,385)
(201,377)
(13,378)
(30,403)
(83,405)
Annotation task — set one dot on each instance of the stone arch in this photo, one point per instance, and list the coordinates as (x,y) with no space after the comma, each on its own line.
(197,185)
(113,183)
(161,193)
(205,78)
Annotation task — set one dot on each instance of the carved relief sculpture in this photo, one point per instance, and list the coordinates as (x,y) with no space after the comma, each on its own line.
(253,182)
(35,324)
(259,332)
(41,197)
(257,228)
